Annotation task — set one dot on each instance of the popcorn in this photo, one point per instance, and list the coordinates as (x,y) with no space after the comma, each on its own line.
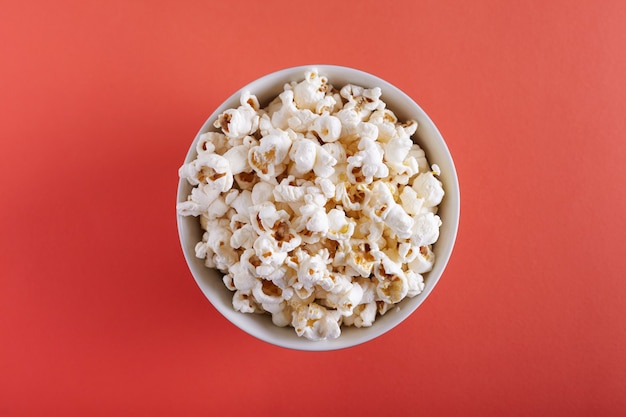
(282,317)
(415,282)
(324,163)
(318,208)
(327,127)
(423,260)
(267,293)
(284,114)
(198,201)
(243,302)
(350,119)
(425,230)
(242,202)
(316,322)
(397,149)
(302,153)
(399,221)
(264,216)
(337,151)
(239,122)
(362,258)
(339,226)
(326,186)
(267,157)
(363,315)
(243,280)
(345,301)
(362,100)
(428,188)
(392,284)
(310,91)
(237,159)
(287,192)
(411,203)
(407,253)
(386,121)
(212,142)
(314,271)
(268,252)
(262,192)
(285,236)
(327,105)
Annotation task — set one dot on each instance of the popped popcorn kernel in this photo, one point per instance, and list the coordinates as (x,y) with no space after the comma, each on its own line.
(318,207)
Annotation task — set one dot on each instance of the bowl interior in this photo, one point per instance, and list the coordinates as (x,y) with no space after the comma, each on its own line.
(427,136)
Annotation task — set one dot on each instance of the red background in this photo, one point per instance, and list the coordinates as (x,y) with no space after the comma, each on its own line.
(99,102)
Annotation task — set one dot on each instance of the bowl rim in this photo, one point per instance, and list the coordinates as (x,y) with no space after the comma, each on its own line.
(249,323)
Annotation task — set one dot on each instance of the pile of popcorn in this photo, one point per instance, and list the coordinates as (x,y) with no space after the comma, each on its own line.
(319,209)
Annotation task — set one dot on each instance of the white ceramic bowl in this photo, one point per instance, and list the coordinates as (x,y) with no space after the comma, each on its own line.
(427,136)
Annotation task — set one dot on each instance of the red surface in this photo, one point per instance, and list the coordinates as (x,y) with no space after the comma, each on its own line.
(99,102)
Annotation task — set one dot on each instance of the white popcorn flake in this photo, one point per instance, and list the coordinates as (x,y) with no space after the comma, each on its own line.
(288,192)
(302,153)
(392,284)
(262,192)
(313,270)
(326,186)
(399,221)
(327,105)
(217,208)
(319,209)
(362,258)
(268,252)
(340,227)
(210,169)
(264,216)
(285,236)
(239,122)
(349,121)
(423,260)
(362,100)
(266,158)
(310,91)
(363,315)
(243,237)
(415,282)
(316,322)
(420,156)
(212,142)
(327,127)
(267,293)
(345,301)
(429,188)
(411,203)
(244,302)
(397,149)
(337,151)
(301,122)
(242,202)
(242,279)
(386,121)
(282,317)
(426,229)
(237,158)
(436,170)
(324,163)
(281,110)
(250,100)
(407,129)
(407,252)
